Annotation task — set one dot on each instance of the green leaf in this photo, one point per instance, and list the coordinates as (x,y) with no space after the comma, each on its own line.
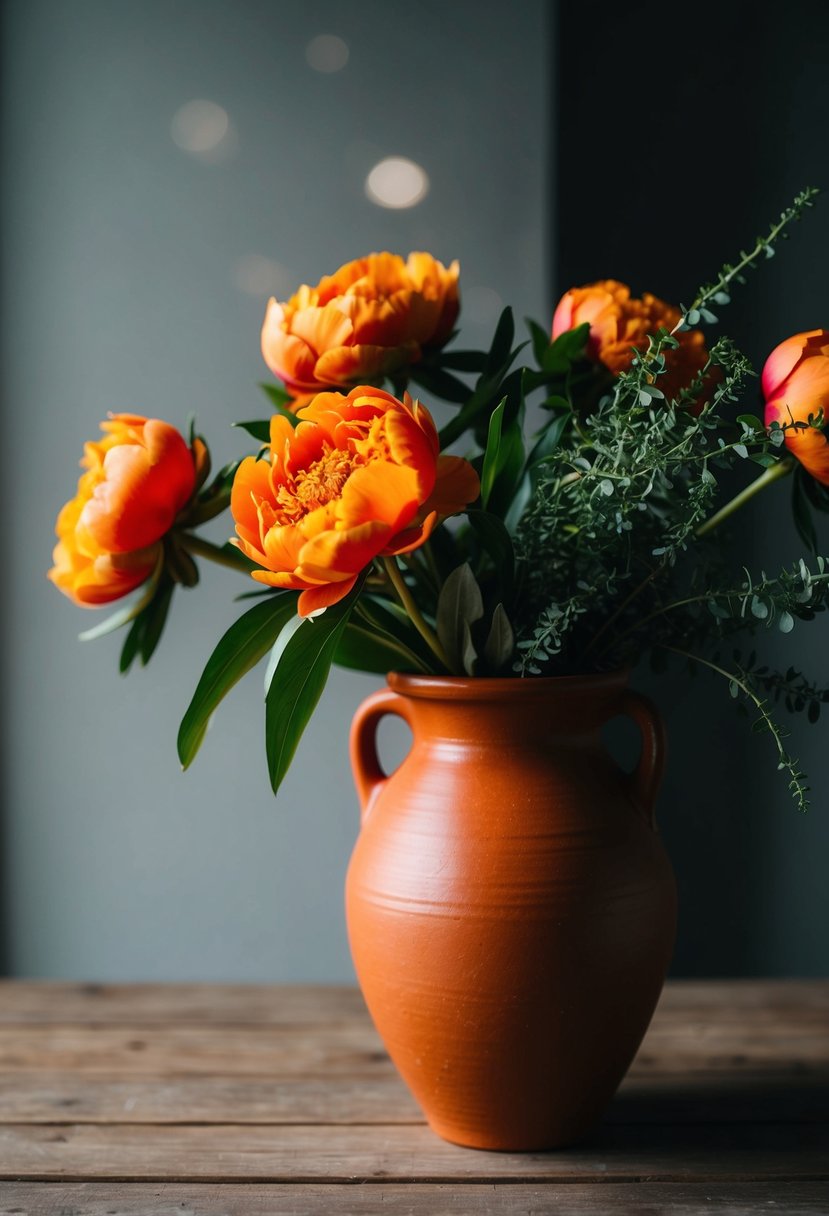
(568,348)
(540,340)
(500,642)
(510,466)
(497,542)
(441,383)
(362,648)
(243,645)
(258,429)
(785,622)
(278,649)
(489,386)
(493,444)
(462,360)
(460,604)
(548,439)
(387,618)
(298,684)
(155,618)
(277,394)
(499,351)
(126,614)
(129,650)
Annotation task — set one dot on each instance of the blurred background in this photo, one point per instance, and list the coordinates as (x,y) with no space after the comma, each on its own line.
(167,166)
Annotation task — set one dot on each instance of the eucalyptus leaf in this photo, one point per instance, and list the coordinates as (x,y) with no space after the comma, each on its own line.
(469,655)
(500,642)
(460,604)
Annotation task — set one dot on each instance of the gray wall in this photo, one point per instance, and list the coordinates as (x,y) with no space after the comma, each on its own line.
(123,262)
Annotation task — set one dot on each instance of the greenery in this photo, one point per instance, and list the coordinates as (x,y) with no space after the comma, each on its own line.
(596,542)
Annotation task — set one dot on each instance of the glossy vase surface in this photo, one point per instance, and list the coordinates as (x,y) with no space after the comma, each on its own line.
(511,910)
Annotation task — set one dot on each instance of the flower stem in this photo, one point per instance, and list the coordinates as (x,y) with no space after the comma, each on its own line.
(199,547)
(781,469)
(407,600)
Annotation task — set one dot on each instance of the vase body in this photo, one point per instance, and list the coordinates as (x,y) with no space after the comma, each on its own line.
(511,910)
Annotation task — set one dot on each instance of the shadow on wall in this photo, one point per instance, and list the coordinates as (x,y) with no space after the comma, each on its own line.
(678,177)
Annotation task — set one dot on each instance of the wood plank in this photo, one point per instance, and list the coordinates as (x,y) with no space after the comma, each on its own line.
(349,1049)
(353,1047)
(635,1199)
(757,1152)
(60,1002)
(77,1098)
(68,1098)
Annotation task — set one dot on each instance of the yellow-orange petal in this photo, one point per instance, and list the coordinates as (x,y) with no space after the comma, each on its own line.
(338,555)
(142,486)
(251,483)
(282,548)
(412,538)
(317,598)
(287,581)
(456,486)
(346,365)
(381,491)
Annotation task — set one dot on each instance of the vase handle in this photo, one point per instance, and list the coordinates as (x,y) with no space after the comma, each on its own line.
(646,778)
(369,776)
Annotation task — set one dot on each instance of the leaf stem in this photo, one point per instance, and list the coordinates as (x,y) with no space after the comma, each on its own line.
(407,600)
(771,474)
(200,547)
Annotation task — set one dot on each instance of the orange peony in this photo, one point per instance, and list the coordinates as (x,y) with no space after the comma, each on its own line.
(796,384)
(368,320)
(360,477)
(137,479)
(618,323)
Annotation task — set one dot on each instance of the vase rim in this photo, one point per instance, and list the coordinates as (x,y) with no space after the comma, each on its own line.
(507,688)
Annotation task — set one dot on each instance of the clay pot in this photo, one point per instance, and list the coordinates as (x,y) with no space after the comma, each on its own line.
(511,910)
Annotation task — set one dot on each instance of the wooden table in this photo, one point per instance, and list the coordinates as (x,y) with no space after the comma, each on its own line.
(157,1099)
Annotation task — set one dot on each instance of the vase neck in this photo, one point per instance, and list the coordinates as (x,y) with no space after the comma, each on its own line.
(519,710)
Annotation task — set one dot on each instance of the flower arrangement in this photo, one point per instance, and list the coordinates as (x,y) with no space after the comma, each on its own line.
(591,544)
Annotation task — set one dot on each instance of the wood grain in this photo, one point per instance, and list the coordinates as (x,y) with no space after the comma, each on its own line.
(157,1099)
(633,1199)
(61,1003)
(297,1153)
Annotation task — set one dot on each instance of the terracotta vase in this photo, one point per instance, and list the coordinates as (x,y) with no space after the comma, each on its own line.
(511,909)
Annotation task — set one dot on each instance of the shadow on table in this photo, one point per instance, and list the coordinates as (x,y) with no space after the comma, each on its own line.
(724,1099)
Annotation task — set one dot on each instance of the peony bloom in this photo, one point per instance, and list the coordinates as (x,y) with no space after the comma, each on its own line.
(619,322)
(795,384)
(360,477)
(137,479)
(369,319)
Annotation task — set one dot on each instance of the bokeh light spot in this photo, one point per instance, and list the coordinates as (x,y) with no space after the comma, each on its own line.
(327,53)
(199,127)
(397,182)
